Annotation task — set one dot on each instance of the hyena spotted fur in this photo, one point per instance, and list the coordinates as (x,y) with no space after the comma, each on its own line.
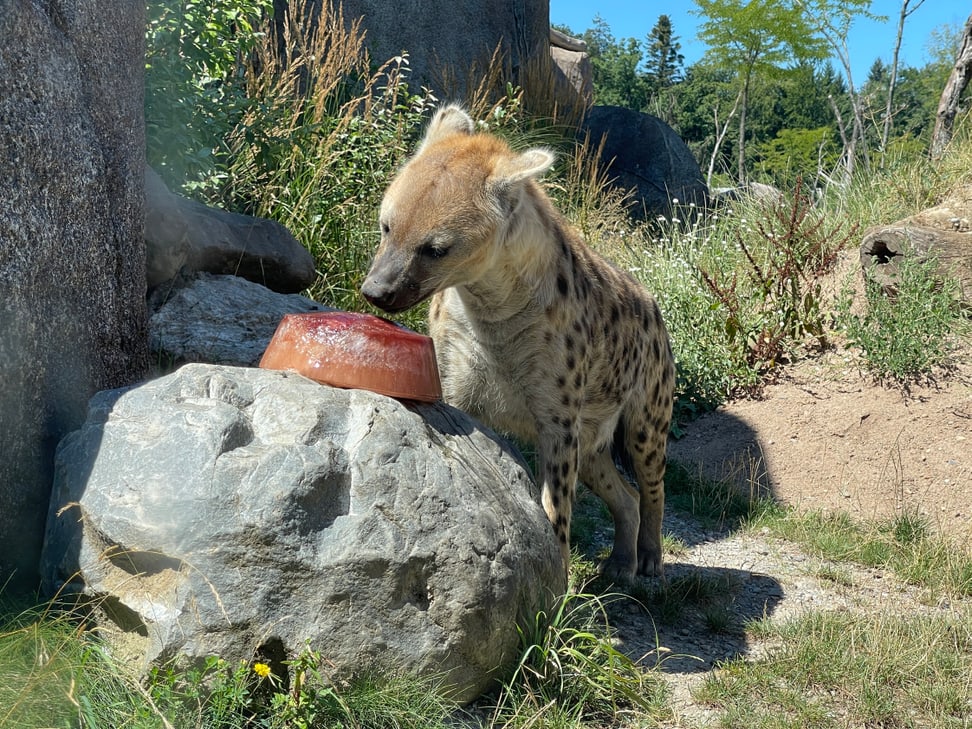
(535,333)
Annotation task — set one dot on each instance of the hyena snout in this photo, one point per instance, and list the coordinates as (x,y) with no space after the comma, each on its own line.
(390,287)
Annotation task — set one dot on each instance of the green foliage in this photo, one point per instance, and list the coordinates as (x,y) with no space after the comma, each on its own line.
(707,368)
(570,674)
(744,34)
(195,59)
(253,695)
(53,673)
(618,80)
(662,58)
(909,334)
(772,299)
(320,138)
(797,154)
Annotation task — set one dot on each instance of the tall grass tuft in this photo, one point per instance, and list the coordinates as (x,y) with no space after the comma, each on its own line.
(55,673)
(571,674)
(321,138)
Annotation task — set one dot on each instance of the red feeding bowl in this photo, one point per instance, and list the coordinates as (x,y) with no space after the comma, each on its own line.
(351,350)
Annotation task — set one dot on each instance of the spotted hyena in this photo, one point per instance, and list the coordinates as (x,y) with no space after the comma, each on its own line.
(535,333)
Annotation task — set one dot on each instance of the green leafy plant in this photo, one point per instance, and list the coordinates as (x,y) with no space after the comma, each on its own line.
(909,334)
(196,53)
(665,258)
(772,300)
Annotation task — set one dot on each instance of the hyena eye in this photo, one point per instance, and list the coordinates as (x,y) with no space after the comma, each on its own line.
(385,229)
(430,250)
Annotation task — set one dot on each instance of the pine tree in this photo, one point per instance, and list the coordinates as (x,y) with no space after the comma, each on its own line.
(662,58)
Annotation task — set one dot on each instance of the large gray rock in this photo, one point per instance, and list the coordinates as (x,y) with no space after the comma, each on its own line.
(184,234)
(217,319)
(648,157)
(244,512)
(449,44)
(72,258)
(572,68)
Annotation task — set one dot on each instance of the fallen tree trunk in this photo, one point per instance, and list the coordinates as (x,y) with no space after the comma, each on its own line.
(885,247)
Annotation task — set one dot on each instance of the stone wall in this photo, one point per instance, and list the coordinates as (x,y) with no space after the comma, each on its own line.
(72,261)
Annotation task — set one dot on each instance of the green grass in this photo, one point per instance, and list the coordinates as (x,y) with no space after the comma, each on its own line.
(570,673)
(904,545)
(714,502)
(53,673)
(841,669)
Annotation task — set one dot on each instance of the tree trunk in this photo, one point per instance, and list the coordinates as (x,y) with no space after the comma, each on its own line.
(720,135)
(889,108)
(884,247)
(742,132)
(949,103)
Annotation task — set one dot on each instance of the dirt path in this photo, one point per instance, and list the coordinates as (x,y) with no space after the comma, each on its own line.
(824,437)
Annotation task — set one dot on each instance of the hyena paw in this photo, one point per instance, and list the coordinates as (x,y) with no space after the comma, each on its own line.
(618,569)
(650,564)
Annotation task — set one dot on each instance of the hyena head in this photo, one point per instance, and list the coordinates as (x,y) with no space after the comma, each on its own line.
(449,212)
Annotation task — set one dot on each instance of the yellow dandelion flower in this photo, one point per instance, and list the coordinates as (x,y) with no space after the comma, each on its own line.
(262,670)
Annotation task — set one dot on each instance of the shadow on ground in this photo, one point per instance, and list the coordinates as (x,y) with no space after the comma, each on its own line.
(698,618)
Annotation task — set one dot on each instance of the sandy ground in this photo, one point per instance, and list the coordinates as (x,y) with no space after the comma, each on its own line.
(828,437)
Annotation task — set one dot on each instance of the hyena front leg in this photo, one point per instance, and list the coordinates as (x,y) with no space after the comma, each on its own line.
(559,452)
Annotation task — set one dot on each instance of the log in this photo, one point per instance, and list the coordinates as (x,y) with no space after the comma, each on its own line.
(884,247)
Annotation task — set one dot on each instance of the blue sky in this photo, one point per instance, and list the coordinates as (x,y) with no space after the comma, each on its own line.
(867,40)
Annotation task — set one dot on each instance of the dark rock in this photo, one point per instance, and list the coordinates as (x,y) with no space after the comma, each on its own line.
(645,155)
(183,233)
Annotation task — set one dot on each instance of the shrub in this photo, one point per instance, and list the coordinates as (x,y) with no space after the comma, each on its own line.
(772,298)
(909,335)
(195,59)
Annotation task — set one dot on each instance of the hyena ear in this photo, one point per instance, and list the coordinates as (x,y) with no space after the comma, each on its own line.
(532,163)
(509,172)
(448,121)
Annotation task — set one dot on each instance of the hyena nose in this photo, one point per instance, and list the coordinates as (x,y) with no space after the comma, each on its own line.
(377,293)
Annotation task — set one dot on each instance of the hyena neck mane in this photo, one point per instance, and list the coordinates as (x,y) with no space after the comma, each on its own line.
(531,245)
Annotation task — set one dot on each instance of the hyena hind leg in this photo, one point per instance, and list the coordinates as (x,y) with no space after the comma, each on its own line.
(602,477)
(646,440)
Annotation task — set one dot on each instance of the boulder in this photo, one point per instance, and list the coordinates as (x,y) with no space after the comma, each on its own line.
(646,156)
(182,233)
(942,233)
(166,231)
(573,74)
(217,319)
(249,513)
(449,45)
(72,255)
